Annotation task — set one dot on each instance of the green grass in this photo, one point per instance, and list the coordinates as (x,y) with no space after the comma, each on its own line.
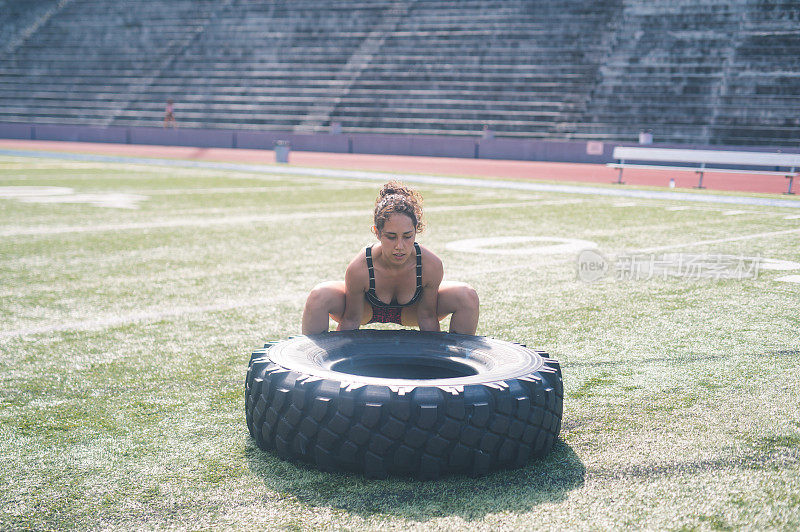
(126,334)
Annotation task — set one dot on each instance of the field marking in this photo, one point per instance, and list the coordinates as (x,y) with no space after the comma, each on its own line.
(249,219)
(715,209)
(776,264)
(726,212)
(768,264)
(241,190)
(484,245)
(416,178)
(719,240)
(122,279)
(504,205)
(146,316)
(14,192)
(155,315)
(111,200)
(45,194)
(132,172)
(167,224)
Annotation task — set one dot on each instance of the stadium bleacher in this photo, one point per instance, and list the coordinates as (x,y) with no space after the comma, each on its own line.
(701,71)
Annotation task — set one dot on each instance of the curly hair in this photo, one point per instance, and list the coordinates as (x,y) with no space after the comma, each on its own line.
(397,198)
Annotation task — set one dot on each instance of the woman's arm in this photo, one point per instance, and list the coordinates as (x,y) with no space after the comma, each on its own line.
(432,274)
(355,285)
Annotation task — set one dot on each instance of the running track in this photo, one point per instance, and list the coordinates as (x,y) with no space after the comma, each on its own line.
(497,169)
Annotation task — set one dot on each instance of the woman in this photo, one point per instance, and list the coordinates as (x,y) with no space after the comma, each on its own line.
(395,280)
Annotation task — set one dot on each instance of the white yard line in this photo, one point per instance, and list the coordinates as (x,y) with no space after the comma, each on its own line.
(166,224)
(507,205)
(151,315)
(249,219)
(99,283)
(242,190)
(710,208)
(718,240)
(159,314)
(324,175)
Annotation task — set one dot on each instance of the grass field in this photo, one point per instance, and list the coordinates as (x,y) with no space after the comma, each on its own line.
(132,296)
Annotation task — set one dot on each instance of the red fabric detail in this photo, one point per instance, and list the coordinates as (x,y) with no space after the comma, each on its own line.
(386,315)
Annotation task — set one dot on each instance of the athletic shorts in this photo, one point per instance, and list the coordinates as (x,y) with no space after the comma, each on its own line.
(386,315)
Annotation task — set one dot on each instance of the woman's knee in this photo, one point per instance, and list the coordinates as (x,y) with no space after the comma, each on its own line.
(468,302)
(469,298)
(327,297)
(458,296)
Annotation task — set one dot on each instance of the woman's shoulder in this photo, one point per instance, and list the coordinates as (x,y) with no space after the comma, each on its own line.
(359,260)
(431,263)
(428,254)
(357,269)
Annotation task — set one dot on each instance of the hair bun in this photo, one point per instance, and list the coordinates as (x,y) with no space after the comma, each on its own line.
(395,187)
(397,197)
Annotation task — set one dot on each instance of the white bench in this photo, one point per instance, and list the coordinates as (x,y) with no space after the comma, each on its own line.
(723,161)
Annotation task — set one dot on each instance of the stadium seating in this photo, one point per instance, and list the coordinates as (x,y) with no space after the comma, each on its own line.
(699,71)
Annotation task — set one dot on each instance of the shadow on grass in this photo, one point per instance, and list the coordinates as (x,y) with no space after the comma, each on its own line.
(541,481)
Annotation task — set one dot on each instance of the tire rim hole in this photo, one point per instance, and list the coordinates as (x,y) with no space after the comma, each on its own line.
(404,367)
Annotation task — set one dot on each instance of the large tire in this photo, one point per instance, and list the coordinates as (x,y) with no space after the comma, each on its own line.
(403,402)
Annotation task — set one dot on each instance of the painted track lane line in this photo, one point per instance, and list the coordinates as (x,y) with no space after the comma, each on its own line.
(413,178)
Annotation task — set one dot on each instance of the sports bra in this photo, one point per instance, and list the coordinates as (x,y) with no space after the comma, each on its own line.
(372,297)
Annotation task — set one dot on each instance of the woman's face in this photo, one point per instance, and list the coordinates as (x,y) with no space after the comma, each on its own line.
(397,238)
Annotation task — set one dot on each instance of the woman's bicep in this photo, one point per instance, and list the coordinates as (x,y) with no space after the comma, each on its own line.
(353,305)
(354,295)
(430,293)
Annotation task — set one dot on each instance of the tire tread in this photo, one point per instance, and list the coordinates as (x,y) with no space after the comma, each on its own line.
(380,431)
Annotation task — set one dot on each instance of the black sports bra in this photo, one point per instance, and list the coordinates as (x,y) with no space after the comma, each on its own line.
(372,297)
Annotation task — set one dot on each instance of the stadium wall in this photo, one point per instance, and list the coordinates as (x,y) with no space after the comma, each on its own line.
(415,145)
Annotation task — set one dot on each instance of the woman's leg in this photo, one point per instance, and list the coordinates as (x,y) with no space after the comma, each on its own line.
(460,300)
(325,300)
